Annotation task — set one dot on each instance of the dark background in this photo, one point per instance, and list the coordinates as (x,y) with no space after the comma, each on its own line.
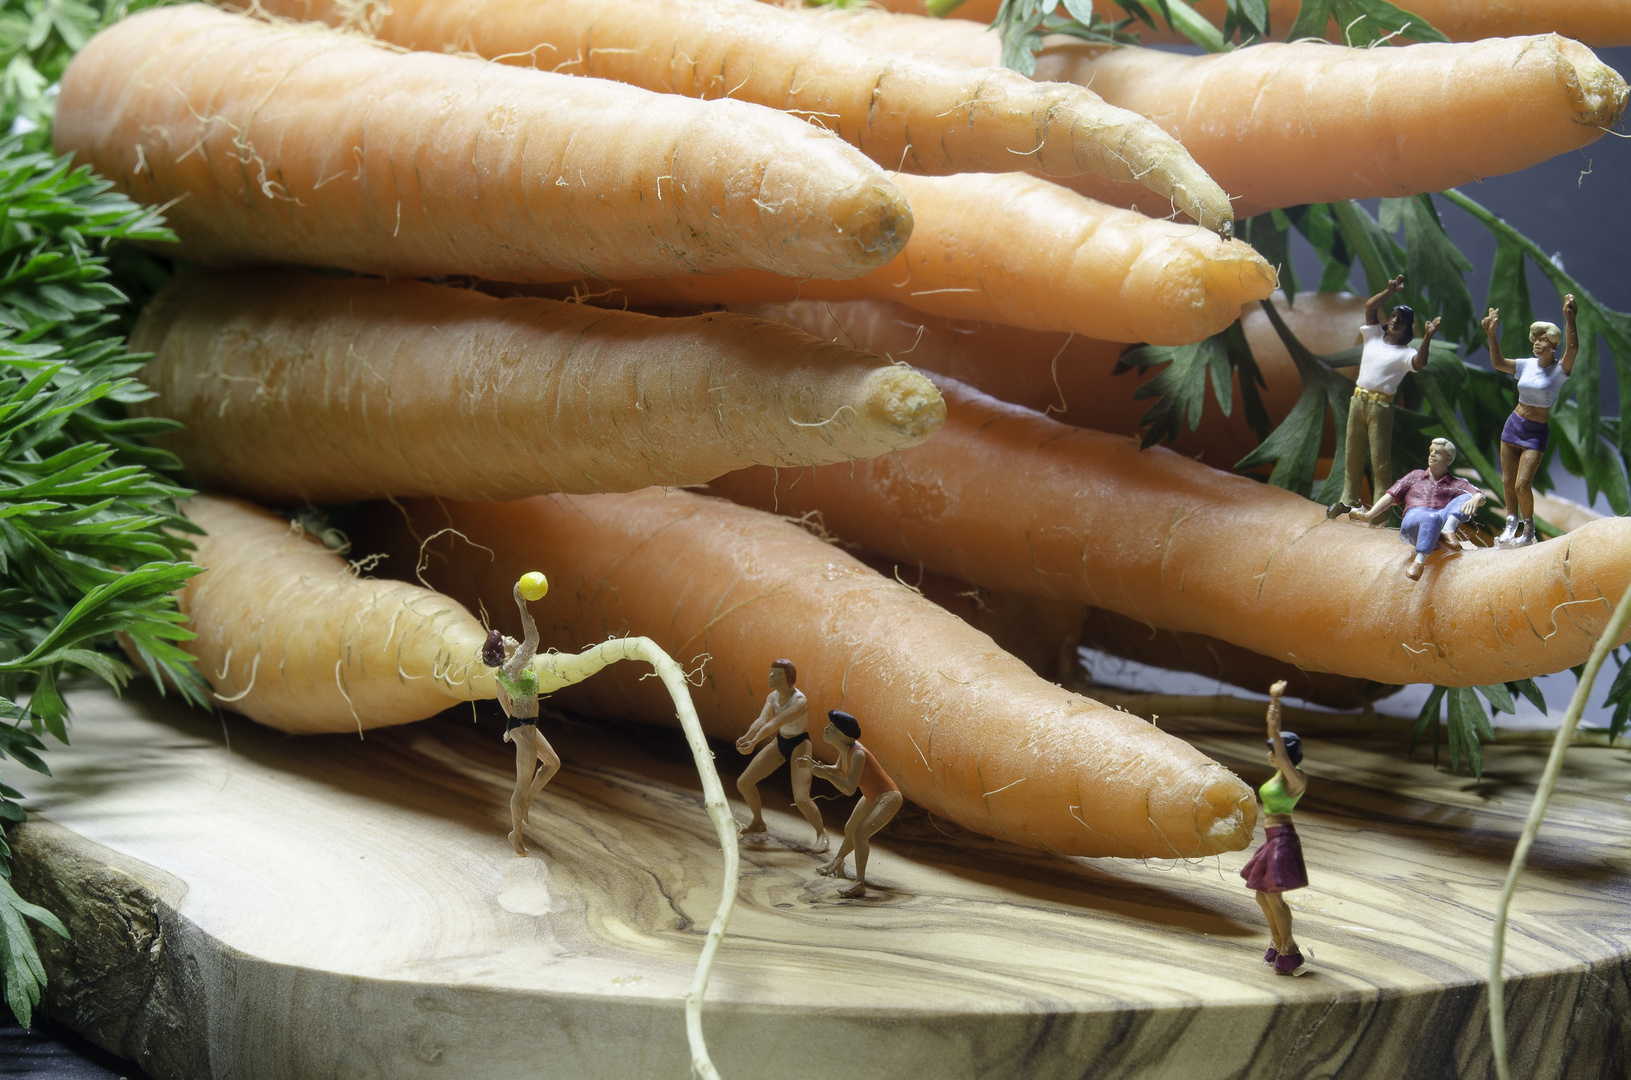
(1573,205)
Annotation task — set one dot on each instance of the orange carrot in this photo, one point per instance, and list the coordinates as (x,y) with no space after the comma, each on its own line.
(1117,635)
(1040,631)
(302,145)
(1014,249)
(1073,378)
(1281,125)
(300,388)
(1012,501)
(1600,24)
(904,110)
(967,731)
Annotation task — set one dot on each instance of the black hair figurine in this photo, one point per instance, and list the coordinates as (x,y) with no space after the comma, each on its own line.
(1277,866)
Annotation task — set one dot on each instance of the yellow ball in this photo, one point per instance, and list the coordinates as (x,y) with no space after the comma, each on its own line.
(533,586)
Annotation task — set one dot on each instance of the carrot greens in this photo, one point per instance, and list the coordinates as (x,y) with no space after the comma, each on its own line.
(88,540)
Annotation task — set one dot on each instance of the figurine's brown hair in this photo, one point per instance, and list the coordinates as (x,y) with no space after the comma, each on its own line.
(492,650)
(786,668)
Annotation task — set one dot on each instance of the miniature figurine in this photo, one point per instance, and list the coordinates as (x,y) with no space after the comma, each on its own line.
(1277,867)
(1435,504)
(880,798)
(1384,362)
(787,714)
(518,694)
(1523,439)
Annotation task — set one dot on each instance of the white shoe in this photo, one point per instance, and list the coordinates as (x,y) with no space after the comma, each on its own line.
(1526,533)
(1508,534)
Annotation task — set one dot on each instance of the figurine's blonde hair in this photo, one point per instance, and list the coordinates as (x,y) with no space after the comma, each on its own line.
(1446,443)
(1553,334)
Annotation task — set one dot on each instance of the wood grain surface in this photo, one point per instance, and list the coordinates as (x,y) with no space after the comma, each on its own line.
(326,906)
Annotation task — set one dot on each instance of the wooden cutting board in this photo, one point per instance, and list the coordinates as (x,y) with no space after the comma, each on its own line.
(250,905)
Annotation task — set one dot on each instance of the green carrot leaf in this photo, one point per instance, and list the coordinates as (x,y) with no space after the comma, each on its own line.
(1180,387)
(1435,270)
(1369,22)
(1428,716)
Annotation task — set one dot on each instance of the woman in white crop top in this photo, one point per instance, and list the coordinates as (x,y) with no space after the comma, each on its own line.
(1523,439)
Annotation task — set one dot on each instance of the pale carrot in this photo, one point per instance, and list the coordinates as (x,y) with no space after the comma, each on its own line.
(967,731)
(904,110)
(302,145)
(1014,249)
(301,388)
(289,636)
(1076,379)
(1600,24)
(1282,125)
(1012,501)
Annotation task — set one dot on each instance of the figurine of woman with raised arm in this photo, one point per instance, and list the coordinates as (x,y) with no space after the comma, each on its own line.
(1523,439)
(535,760)
(1277,867)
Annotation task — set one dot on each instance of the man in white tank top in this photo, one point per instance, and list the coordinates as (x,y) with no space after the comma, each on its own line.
(1384,362)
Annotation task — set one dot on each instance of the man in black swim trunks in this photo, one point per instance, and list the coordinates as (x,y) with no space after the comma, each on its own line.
(787,715)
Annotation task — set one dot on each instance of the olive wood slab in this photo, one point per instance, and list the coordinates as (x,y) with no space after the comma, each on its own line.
(327,906)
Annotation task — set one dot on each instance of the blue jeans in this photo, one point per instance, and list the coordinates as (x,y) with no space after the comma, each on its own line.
(1422,527)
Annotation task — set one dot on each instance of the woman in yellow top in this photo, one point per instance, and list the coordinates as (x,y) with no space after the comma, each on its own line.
(1277,867)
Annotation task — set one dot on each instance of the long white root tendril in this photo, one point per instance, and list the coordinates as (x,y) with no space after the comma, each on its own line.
(1537,812)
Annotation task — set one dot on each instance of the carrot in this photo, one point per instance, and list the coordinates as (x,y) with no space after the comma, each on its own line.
(903,110)
(289,636)
(967,731)
(300,388)
(301,145)
(1600,24)
(1282,125)
(1040,631)
(1177,545)
(1014,249)
(1073,378)
(1117,635)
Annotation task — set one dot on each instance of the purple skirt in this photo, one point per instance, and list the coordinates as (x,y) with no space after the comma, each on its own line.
(1277,866)
(1528,434)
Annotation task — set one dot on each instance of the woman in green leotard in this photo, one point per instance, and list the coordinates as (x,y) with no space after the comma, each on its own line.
(1277,867)
(518,694)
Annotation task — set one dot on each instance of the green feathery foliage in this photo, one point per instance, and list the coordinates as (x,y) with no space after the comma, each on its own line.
(90,542)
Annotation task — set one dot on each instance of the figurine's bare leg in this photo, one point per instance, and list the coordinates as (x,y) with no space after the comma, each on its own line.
(530,749)
(549,763)
(1511,454)
(1272,918)
(807,807)
(835,865)
(877,817)
(765,762)
(1279,913)
(1528,465)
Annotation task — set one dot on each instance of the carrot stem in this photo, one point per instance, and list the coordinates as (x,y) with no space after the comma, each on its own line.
(1537,812)
(560,669)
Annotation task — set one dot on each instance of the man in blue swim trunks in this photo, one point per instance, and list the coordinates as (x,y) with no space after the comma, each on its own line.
(1435,504)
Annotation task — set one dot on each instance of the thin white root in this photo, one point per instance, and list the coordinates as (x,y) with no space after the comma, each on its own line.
(1537,813)
(556,670)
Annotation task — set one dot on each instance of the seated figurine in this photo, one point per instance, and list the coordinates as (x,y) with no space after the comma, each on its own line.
(1435,503)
